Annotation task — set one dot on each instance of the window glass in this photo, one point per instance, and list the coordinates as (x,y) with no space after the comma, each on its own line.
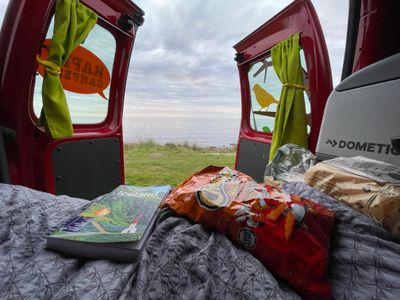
(307,100)
(90,104)
(265,88)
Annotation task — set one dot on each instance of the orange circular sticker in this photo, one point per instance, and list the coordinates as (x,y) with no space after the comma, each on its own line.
(83,73)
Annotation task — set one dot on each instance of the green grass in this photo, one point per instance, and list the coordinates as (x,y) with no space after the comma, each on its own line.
(148,163)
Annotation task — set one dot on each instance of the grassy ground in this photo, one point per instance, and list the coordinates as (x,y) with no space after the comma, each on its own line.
(148,163)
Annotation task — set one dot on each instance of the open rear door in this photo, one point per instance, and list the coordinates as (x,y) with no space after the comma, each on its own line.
(89,163)
(257,74)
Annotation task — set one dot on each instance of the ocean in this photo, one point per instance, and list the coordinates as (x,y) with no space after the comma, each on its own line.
(204,132)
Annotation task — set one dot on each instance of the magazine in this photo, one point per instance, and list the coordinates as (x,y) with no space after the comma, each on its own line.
(114,226)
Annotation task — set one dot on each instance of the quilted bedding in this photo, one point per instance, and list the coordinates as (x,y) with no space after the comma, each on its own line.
(181,260)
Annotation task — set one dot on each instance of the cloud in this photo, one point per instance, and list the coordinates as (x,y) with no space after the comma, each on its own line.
(183,55)
(333,19)
(3,7)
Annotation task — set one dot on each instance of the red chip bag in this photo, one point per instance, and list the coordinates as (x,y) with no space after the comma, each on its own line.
(288,234)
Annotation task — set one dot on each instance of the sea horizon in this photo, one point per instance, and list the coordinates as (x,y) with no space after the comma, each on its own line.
(202,132)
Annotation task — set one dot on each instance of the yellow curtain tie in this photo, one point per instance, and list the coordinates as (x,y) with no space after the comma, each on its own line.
(50,67)
(296,86)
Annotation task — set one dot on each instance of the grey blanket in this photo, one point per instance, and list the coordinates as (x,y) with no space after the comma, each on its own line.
(181,260)
(364,260)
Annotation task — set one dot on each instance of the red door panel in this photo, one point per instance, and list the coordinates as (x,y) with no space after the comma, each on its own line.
(378,27)
(31,157)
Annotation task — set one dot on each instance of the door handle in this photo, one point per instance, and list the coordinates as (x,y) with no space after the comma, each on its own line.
(396,143)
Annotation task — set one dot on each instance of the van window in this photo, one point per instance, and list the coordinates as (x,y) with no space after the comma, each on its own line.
(265,90)
(87,105)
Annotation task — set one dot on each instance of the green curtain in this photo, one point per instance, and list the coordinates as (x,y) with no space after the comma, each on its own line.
(290,120)
(73,22)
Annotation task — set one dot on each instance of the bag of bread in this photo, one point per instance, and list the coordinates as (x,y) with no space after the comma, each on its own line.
(288,234)
(369,186)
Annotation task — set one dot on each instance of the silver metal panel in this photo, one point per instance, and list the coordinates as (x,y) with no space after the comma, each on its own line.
(384,70)
(362,121)
(253,158)
(88,168)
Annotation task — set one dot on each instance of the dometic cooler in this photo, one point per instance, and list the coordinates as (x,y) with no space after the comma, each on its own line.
(362,115)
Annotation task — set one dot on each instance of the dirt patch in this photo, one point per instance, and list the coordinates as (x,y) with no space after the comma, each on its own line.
(156,155)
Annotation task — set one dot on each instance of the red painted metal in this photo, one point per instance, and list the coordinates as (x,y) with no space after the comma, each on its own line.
(378,32)
(299,16)
(24,27)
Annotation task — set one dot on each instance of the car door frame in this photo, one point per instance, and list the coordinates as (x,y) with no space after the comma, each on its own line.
(33,156)
(299,16)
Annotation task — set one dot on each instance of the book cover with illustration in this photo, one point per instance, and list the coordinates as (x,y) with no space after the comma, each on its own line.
(118,217)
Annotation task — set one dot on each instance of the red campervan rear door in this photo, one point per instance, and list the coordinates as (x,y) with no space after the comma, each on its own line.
(257,75)
(90,162)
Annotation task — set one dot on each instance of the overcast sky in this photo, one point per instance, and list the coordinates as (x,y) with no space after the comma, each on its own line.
(183,64)
(183,56)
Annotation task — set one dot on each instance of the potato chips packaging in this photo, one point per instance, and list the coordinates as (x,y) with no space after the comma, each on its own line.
(288,234)
(369,189)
